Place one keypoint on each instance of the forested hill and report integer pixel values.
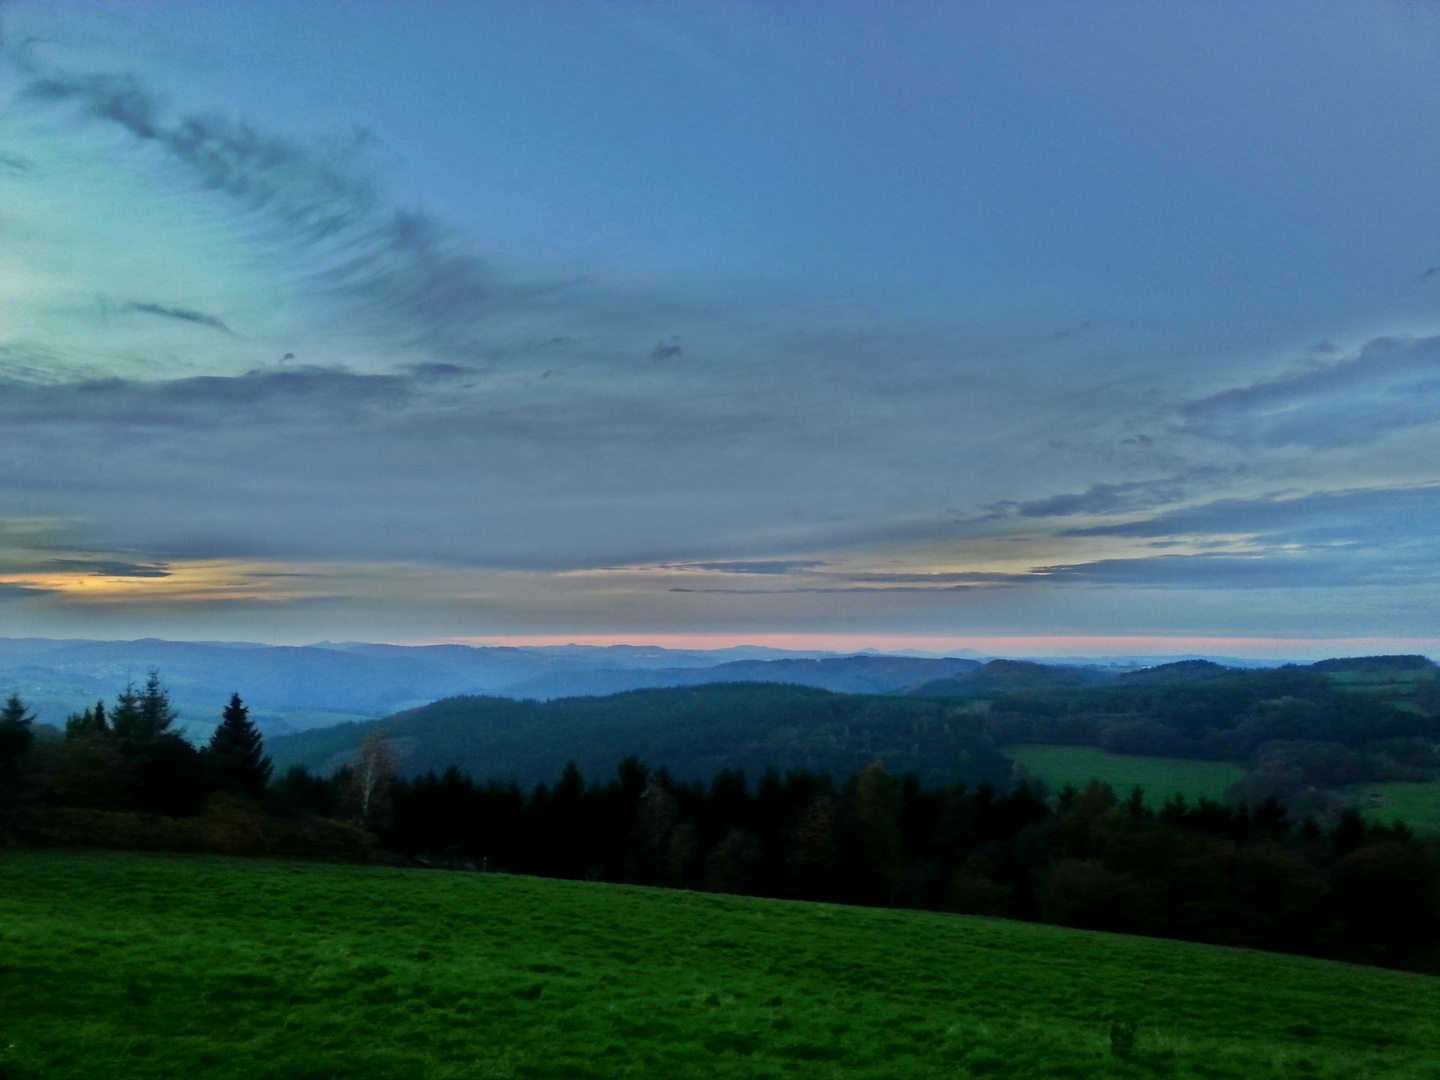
(1200, 709)
(1300, 730)
(694, 732)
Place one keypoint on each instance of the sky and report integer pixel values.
(1033, 327)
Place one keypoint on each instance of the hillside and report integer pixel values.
(1306, 734)
(693, 732)
(190, 966)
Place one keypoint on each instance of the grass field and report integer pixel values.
(1417, 805)
(1160, 777)
(120, 965)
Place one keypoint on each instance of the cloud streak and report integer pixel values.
(407, 277)
(1390, 385)
(199, 318)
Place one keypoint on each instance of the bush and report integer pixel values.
(227, 827)
(1085, 893)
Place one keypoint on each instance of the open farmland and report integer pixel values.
(1417, 805)
(123, 965)
(1160, 777)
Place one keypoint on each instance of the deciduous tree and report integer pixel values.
(366, 798)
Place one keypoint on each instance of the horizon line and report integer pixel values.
(995, 645)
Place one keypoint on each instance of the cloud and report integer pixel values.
(109, 568)
(180, 314)
(756, 566)
(775, 447)
(1104, 498)
(1391, 384)
(13, 591)
(1314, 569)
(833, 589)
(408, 277)
(1377, 516)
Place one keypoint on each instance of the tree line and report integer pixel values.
(1237, 875)
(129, 756)
(1205, 872)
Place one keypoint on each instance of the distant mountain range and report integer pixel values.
(295, 688)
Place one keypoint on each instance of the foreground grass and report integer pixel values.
(1417, 805)
(121, 965)
(1160, 777)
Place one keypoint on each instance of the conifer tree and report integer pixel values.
(156, 713)
(142, 717)
(15, 733)
(125, 714)
(90, 722)
(237, 751)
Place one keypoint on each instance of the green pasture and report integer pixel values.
(1417, 805)
(128, 965)
(1160, 777)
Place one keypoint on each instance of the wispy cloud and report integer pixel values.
(109, 568)
(1374, 516)
(199, 318)
(1390, 384)
(753, 566)
(409, 274)
(17, 591)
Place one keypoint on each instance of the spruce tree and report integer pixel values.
(125, 714)
(237, 752)
(143, 717)
(156, 714)
(88, 722)
(15, 734)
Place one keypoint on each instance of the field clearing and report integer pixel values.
(130, 965)
(1417, 805)
(1160, 777)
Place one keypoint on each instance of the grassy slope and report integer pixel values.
(118, 965)
(1160, 777)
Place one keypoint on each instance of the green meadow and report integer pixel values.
(1417, 805)
(1160, 777)
(143, 965)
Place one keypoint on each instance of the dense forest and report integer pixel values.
(1247, 874)
(693, 732)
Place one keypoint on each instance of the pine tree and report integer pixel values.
(15, 733)
(125, 715)
(142, 717)
(89, 722)
(156, 713)
(237, 752)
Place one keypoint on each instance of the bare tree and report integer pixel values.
(366, 797)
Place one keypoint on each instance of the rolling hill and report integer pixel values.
(694, 732)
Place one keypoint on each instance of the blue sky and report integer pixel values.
(865, 321)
